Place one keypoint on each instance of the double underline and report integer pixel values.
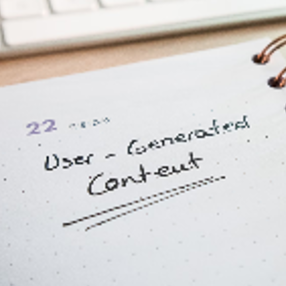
(141, 203)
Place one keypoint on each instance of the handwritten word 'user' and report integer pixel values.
(135, 148)
(53, 162)
(112, 184)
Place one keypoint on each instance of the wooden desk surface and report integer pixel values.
(45, 66)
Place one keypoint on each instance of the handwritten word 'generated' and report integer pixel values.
(136, 148)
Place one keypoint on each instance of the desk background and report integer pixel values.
(45, 66)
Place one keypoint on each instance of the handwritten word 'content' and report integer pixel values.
(136, 148)
(99, 185)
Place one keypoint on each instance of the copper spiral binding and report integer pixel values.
(268, 51)
(262, 58)
(279, 81)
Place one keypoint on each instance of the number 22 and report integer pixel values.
(36, 127)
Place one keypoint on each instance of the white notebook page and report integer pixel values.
(169, 172)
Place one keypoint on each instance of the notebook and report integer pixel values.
(168, 172)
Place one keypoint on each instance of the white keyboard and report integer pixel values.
(30, 26)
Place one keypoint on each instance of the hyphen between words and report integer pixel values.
(135, 148)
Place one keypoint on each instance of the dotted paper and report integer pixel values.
(149, 174)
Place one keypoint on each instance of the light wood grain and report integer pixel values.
(45, 66)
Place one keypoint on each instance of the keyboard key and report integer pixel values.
(87, 25)
(102, 23)
(20, 8)
(61, 6)
(115, 3)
